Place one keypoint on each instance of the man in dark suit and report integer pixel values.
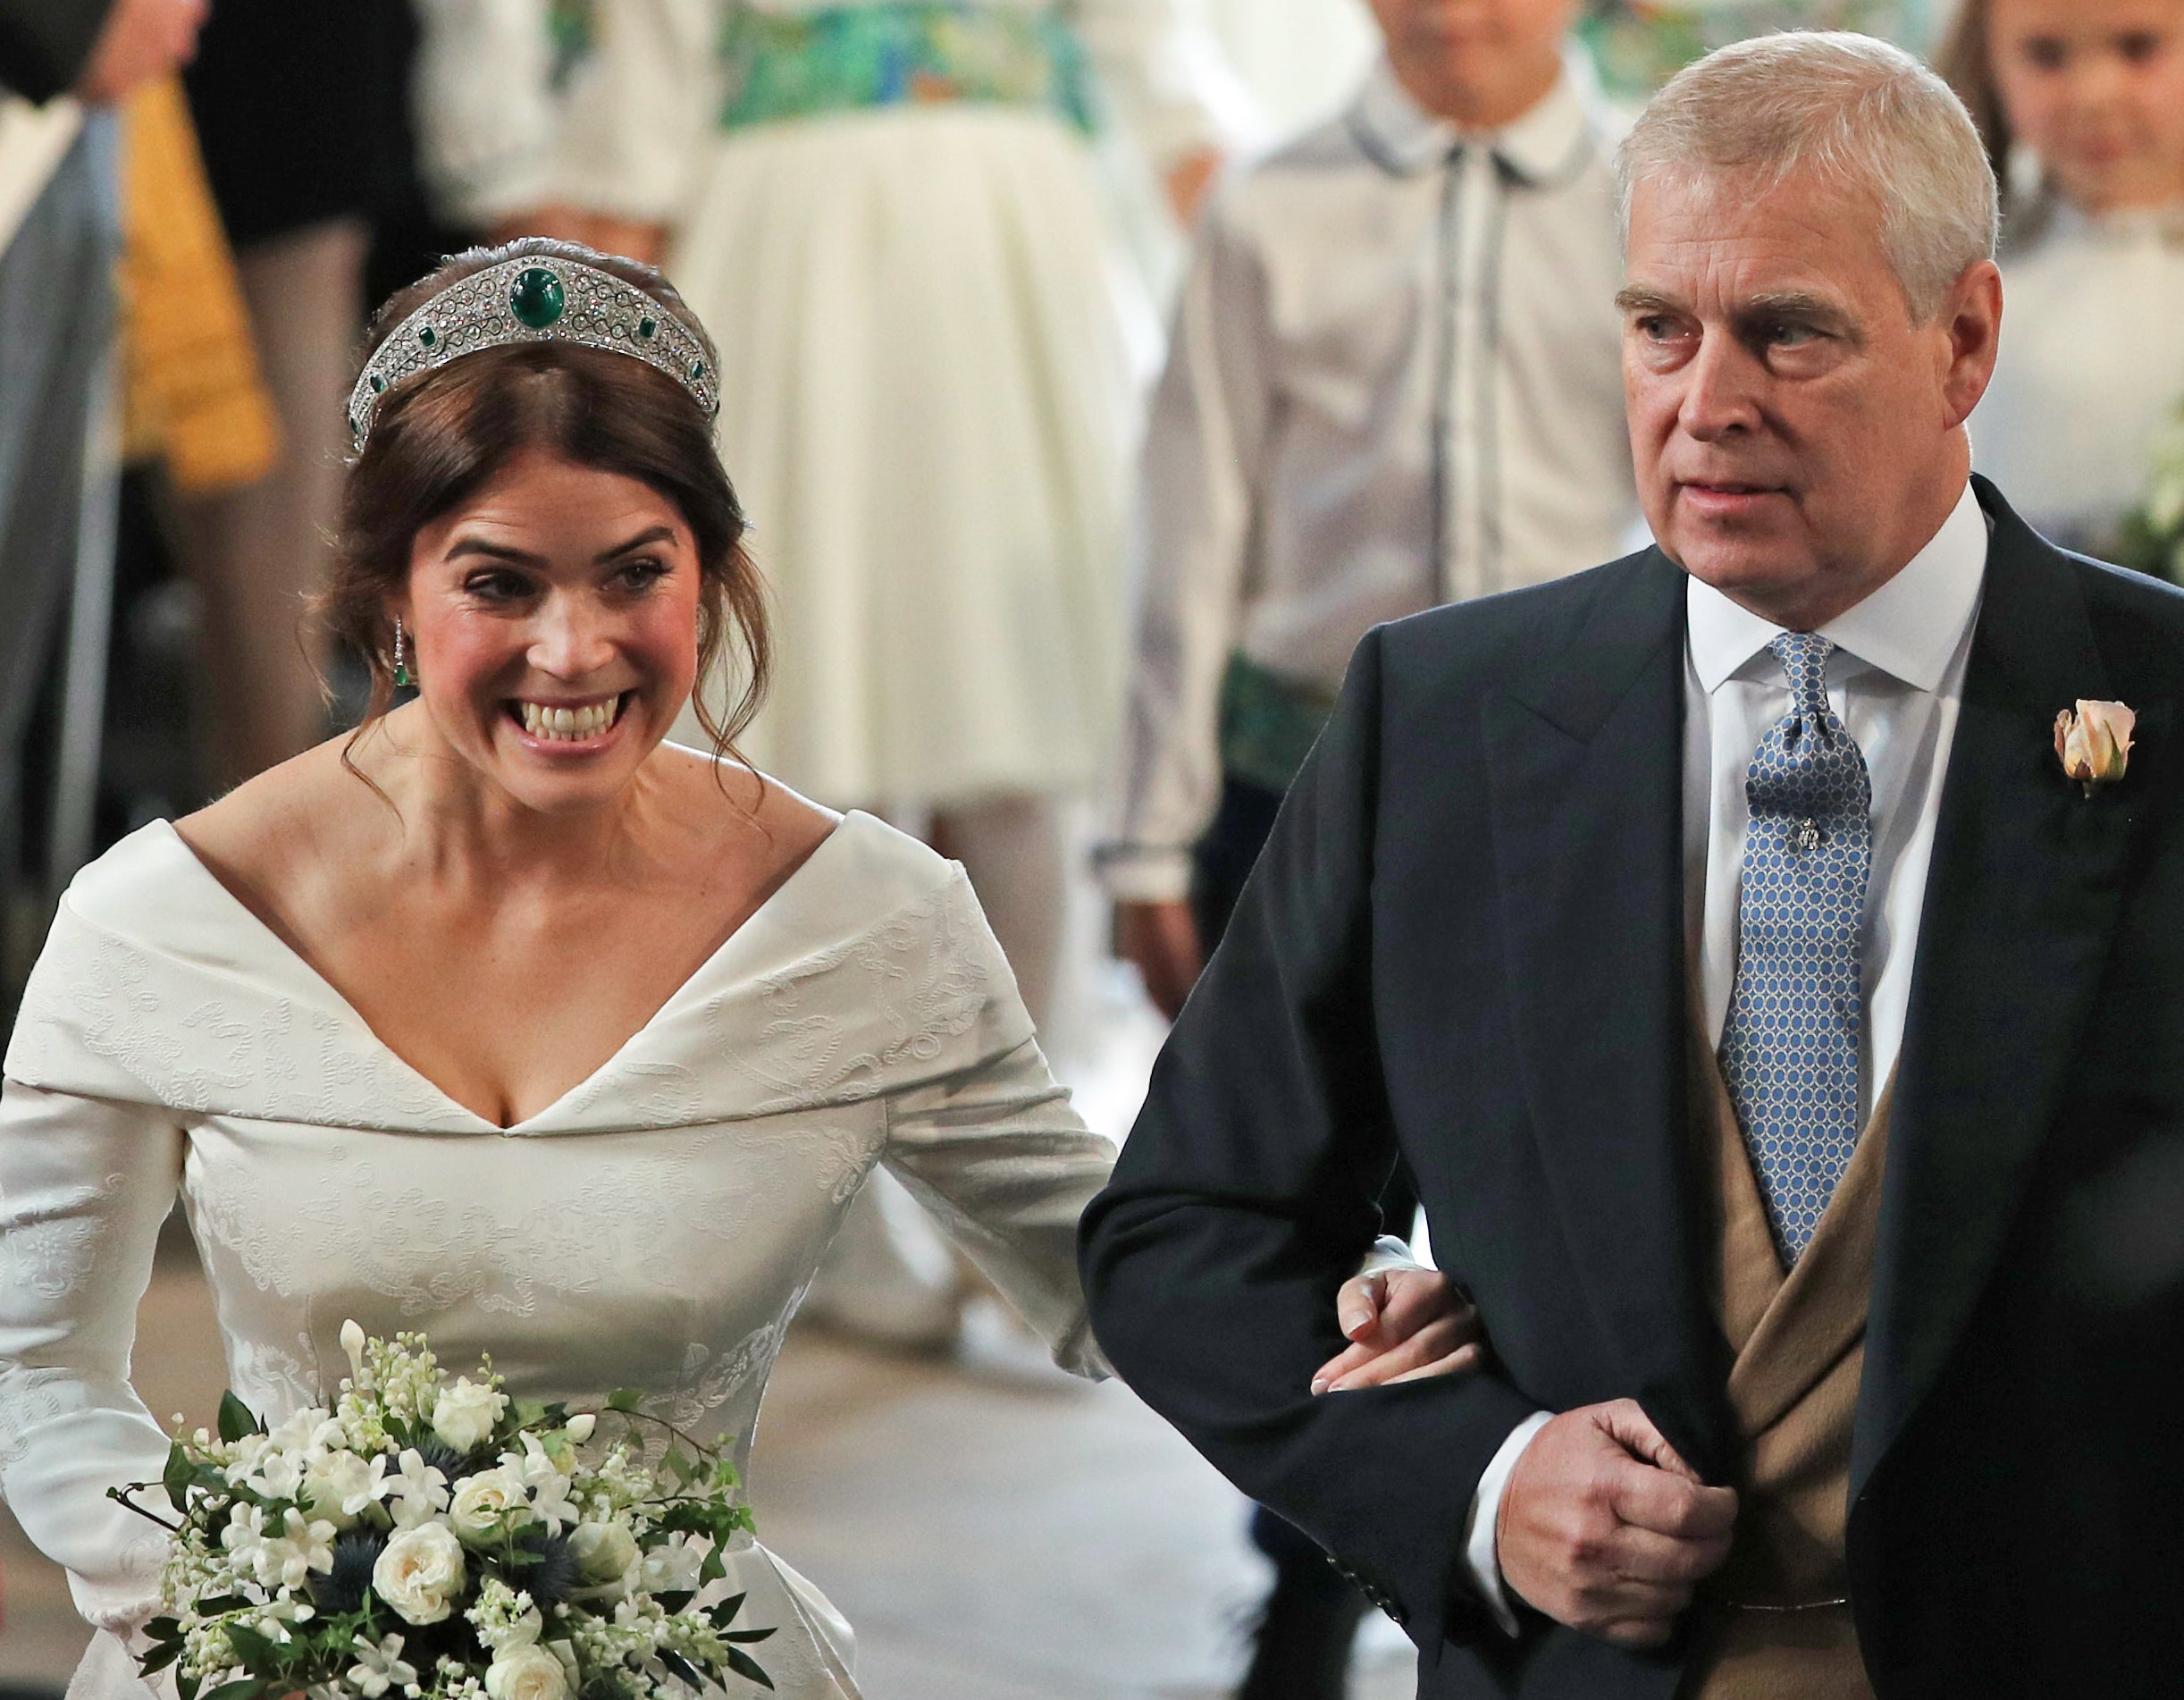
(1785, 1027)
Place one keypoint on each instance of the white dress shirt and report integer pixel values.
(1896, 680)
(1395, 382)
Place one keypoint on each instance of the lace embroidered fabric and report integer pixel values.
(656, 1227)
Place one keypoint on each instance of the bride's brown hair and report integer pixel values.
(441, 437)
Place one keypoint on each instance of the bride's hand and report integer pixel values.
(1403, 1325)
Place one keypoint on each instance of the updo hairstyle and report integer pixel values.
(444, 434)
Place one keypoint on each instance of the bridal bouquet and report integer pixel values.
(431, 1537)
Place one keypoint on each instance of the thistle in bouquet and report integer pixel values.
(427, 1537)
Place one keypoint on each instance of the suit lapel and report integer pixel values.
(2021, 900)
(1586, 765)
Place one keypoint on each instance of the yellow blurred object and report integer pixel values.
(194, 394)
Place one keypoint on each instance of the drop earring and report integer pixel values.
(402, 680)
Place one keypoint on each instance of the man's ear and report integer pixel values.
(1971, 316)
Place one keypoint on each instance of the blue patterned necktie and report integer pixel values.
(1790, 1049)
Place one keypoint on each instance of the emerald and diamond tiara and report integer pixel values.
(532, 300)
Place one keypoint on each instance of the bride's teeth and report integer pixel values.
(570, 725)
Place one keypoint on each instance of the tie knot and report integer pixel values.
(1804, 656)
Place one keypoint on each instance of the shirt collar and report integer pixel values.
(1545, 142)
(1909, 629)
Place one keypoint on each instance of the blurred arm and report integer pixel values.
(1210, 421)
(485, 108)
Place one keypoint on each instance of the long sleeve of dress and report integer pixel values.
(1003, 1163)
(1200, 469)
(84, 1185)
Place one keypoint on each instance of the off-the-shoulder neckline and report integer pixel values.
(853, 825)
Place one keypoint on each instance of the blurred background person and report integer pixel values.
(302, 112)
(891, 215)
(902, 219)
(1394, 381)
(2081, 102)
(60, 233)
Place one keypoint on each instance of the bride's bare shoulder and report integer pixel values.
(748, 809)
(271, 829)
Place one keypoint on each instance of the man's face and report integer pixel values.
(2096, 88)
(1795, 433)
(1480, 63)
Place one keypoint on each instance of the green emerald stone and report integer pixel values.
(697, 371)
(537, 299)
(428, 336)
(379, 384)
(648, 328)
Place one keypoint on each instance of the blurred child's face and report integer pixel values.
(1479, 62)
(2096, 88)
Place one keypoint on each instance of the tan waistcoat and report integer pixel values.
(1799, 1344)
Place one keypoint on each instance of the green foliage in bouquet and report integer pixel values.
(2153, 536)
(434, 1539)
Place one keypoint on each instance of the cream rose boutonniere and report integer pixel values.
(2095, 743)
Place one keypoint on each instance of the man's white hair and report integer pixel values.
(1858, 111)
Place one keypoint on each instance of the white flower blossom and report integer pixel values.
(420, 1573)
(417, 1492)
(340, 1485)
(380, 1667)
(527, 1674)
(548, 1487)
(352, 1346)
(673, 1567)
(302, 1545)
(464, 1413)
(504, 1618)
(487, 1504)
(603, 1551)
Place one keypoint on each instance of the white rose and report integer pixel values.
(580, 1426)
(603, 1551)
(488, 1502)
(464, 1415)
(420, 1573)
(528, 1673)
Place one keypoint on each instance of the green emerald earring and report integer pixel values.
(402, 680)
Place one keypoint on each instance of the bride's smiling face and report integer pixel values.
(553, 628)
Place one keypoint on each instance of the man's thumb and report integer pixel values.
(1627, 1424)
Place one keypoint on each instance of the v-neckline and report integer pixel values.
(325, 987)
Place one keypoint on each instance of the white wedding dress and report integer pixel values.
(655, 1227)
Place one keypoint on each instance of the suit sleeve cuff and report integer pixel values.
(1482, 1560)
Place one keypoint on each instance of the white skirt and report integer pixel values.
(926, 331)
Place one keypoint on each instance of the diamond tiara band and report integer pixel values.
(532, 300)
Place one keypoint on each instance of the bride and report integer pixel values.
(503, 1019)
